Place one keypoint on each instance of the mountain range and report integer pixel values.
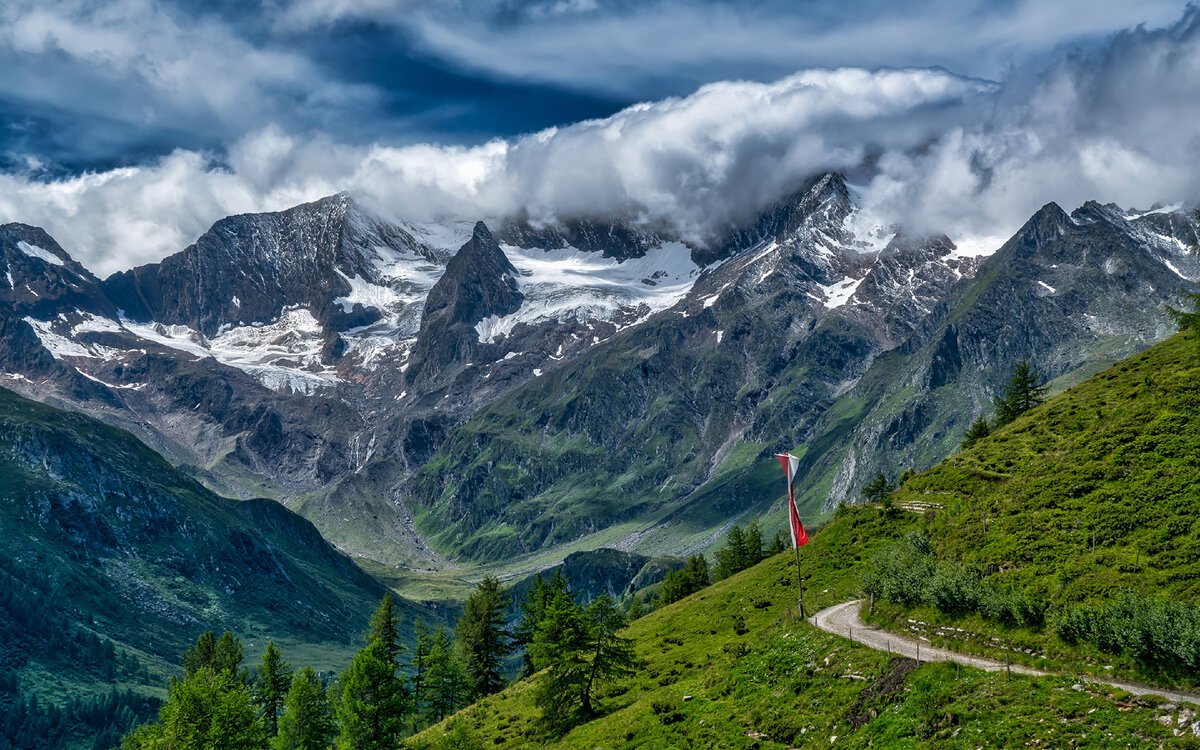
(502, 390)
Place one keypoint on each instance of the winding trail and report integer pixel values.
(843, 619)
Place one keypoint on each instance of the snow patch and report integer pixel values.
(59, 346)
(1046, 286)
(1132, 215)
(569, 284)
(720, 335)
(839, 293)
(34, 251)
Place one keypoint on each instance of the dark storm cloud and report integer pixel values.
(1113, 119)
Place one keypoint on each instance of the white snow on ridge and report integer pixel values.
(34, 251)
(839, 293)
(567, 283)
(285, 354)
(59, 346)
(1131, 215)
(1046, 286)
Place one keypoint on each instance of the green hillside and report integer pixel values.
(113, 561)
(729, 668)
(1008, 525)
(1115, 460)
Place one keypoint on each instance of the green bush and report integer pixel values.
(1156, 632)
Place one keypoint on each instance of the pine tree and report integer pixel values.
(371, 712)
(200, 654)
(384, 628)
(227, 657)
(307, 720)
(878, 489)
(1022, 393)
(731, 557)
(209, 709)
(447, 683)
(560, 645)
(223, 655)
(685, 581)
(978, 430)
(420, 667)
(532, 607)
(272, 680)
(481, 636)
(754, 546)
(612, 656)
(777, 544)
(635, 610)
(580, 649)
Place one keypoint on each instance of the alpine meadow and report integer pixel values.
(542, 374)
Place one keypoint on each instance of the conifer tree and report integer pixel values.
(420, 667)
(878, 489)
(532, 607)
(272, 680)
(481, 637)
(208, 709)
(754, 546)
(560, 644)
(307, 720)
(777, 544)
(384, 628)
(227, 657)
(447, 683)
(612, 656)
(580, 649)
(371, 712)
(200, 654)
(978, 430)
(219, 655)
(1024, 392)
(731, 557)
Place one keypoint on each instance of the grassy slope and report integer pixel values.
(1117, 456)
(785, 684)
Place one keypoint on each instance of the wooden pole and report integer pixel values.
(799, 582)
(1007, 668)
(872, 602)
(918, 654)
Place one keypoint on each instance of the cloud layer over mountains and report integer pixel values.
(929, 148)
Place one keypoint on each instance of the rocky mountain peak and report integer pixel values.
(479, 282)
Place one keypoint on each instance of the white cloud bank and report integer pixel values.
(934, 150)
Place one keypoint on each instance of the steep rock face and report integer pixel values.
(479, 282)
(249, 268)
(755, 352)
(1071, 293)
(557, 380)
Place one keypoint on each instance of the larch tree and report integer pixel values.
(307, 722)
(272, 680)
(481, 637)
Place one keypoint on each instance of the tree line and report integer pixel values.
(387, 693)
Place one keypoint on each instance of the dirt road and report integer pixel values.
(843, 619)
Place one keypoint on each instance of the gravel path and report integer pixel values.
(843, 619)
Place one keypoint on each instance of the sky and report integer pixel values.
(128, 126)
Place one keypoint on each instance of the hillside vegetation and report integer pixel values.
(1113, 462)
(731, 667)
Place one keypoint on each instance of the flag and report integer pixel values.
(790, 464)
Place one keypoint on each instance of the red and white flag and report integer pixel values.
(790, 464)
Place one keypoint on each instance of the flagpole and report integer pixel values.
(799, 582)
